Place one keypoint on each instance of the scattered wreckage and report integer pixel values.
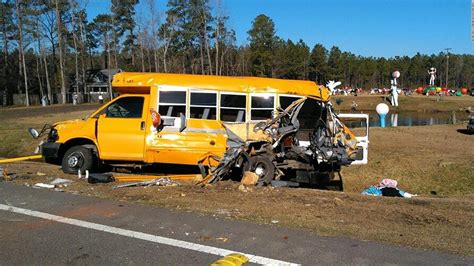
(280, 130)
(279, 155)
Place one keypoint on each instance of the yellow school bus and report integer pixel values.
(196, 113)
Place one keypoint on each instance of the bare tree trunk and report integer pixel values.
(83, 52)
(148, 57)
(48, 86)
(76, 62)
(39, 77)
(22, 53)
(165, 52)
(5, 67)
(38, 66)
(61, 62)
(201, 50)
(109, 78)
(114, 38)
(142, 55)
(155, 59)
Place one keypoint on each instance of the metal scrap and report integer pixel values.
(155, 182)
(276, 146)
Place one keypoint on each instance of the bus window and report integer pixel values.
(233, 107)
(172, 103)
(261, 107)
(203, 105)
(128, 107)
(286, 100)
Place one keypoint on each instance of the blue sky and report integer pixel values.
(364, 27)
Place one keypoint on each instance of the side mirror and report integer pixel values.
(182, 119)
(33, 132)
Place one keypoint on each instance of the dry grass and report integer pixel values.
(412, 103)
(422, 159)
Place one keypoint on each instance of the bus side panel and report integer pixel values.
(198, 139)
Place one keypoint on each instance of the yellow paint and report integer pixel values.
(10, 160)
(234, 259)
(140, 83)
(135, 139)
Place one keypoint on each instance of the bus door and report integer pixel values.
(121, 129)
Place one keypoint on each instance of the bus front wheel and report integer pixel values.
(77, 158)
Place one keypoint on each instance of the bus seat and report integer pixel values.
(170, 111)
(205, 114)
(240, 116)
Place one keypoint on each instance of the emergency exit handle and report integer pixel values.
(142, 125)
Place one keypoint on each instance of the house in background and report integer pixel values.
(97, 83)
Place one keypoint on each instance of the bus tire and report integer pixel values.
(77, 158)
(263, 168)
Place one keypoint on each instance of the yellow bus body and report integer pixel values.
(136, 140)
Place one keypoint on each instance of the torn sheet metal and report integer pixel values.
(277, 147)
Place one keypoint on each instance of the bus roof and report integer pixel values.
(133, 82)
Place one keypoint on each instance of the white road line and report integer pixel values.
(142, 236)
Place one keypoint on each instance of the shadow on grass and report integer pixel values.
(464, 131)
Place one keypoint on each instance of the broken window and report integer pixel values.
(172, 103)
(233, 107)
(203, 105)
(286, 100)
(262, 106)
(128, 107)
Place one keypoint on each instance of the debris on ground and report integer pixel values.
(155, 182)
(60, 182)
(43, 185)
(249, 179)
(388, 188)
(244, 188)
(140, 178)
(79, 174)
(40, 174)
(3, 174)
(94, 178)
(271, 150)
(280, 183)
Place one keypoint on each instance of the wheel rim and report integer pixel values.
(75, 160)
(260, 170)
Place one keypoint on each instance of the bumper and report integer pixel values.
(50, 149)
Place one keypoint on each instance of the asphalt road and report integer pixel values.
(34, 230)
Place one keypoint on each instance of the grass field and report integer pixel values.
(415, 103)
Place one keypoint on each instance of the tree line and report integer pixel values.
(51, 46)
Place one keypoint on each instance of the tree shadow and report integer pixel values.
(464, 131)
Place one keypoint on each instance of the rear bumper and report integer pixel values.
(50, 150)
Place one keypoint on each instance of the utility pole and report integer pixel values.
(447, 64)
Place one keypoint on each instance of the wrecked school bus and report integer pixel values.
(278, 129)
